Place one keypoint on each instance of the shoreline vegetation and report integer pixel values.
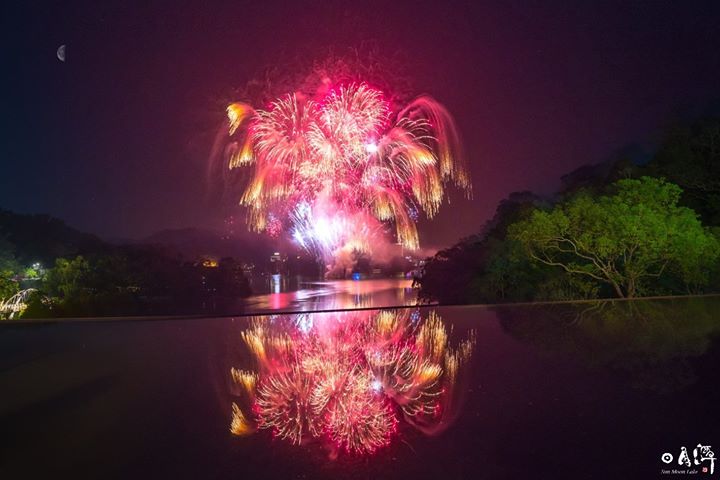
(621, 229)
(66, 273)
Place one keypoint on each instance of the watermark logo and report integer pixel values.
(702, 461)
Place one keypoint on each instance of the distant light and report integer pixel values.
(275, 283)
(277, 253)
(376, 385)
(371, 147)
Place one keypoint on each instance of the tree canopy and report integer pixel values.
(9, 268)
(639, 231)
(690, 157)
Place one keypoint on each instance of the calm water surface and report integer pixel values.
(309, 296)
(566, 391)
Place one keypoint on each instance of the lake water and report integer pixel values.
(591, 390)
(314, 295)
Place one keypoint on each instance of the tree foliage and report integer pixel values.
(643, 233)
(137, 281)
(690, 157)
(486, 267)
(68, 278)
(9, 269)
(623, 239)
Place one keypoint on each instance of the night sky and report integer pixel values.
(115, 141)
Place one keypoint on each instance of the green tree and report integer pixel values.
(9, 269)
(68, 278)
(484, 268)
(624, 239)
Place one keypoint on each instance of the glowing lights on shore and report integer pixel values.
(16, 304)
(331, 169)
(348, 379)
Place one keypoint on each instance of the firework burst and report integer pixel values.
(348, 378)
(331, 170)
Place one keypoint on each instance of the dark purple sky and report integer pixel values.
(115, 140)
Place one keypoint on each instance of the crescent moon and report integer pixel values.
(61, 53)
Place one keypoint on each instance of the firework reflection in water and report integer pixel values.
(348, 378)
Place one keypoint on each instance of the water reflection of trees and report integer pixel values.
(653, 342)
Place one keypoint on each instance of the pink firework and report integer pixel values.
(348, 378)
(334, 168)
